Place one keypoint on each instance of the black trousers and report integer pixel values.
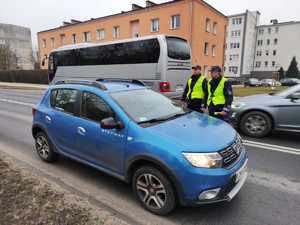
(214, 109)
(195, 105)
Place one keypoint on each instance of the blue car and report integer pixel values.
(169, 155)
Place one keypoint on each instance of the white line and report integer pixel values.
(16, 102)
(273, 148)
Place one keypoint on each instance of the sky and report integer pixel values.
(42, 15)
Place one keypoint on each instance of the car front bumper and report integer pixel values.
(229, 182)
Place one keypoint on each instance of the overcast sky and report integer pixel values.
(41, 14)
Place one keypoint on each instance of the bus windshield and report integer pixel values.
(178, 48)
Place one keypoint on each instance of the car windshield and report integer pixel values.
(148, 106)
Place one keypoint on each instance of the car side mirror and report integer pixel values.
(110, 123)
(295, 96)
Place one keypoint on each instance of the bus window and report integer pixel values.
(51, 67)
(178, 48)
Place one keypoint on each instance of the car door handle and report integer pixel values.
(48, 119)
(81, 130)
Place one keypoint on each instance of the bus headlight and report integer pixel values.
(204, 160)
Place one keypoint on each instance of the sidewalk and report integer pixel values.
(23, 86)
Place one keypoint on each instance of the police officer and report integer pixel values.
(195, 90)
(219, 95)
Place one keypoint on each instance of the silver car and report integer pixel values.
(258, 115)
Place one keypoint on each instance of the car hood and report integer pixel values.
(196, 132)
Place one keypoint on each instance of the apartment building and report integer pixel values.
(195, 20)
(276, 45)
(240, 43)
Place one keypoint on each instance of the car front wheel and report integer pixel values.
(256, 124)
(154, 190)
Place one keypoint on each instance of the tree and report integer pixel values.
(293, 71)
(281, 73)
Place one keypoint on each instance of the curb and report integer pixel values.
(22, 86)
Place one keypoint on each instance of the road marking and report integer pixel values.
(271, 147)
(17, 102)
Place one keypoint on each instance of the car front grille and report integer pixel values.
(232, 153)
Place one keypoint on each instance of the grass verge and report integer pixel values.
(245, 91)
(24, 199)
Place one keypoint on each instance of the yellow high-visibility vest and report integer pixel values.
(218, 97)
(197, 92)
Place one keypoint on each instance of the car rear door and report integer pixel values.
(102, 147)
(60, 119)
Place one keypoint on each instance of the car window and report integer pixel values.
(94, 108)
(66, 100)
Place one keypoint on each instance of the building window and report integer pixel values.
(233, 69)
(154, 25)
(62, 39)
(213, 50)
(44, 43)
(52, 42)
(215, 27)
(268, 41)
(74, 38)
(207, 25)
(100, 33)
(258, 64)
(269, 30)
(116, 32)
(237, 21)
(260, 42)
(235, 45)
(87, 37)
(275, 41)
(261, 31)
(267, 52)
(206, 47)
(276, 30)
(273, 63)
(236, 33)
(258, 53)
(175, 21)
(274, 52)
(234, 57)
(266, 63)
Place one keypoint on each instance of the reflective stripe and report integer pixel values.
(218, 97)
(197, 92)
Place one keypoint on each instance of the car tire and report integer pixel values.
(154, 190)
(45, 148)
(256, 124)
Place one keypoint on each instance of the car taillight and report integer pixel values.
(33, 111)
(164, 87)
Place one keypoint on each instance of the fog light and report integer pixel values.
(209, 194)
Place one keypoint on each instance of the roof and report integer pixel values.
(106, 86)
(280, 24)
(137, 9)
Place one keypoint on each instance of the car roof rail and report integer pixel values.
(133, 81)
(83, 82)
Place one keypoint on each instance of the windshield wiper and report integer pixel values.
(162, 119)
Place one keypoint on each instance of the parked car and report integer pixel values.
(258, 115)
(234, 81)
(252, 82)
(169, 154)
(289, 81)
(270, 83)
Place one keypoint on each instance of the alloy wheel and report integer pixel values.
(151, 191)
(256, 124)
(42, 147)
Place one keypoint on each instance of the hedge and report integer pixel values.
(24, 76)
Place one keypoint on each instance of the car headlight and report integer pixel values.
(237, 105)
(204, 160)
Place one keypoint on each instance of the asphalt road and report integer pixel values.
(271, 194)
